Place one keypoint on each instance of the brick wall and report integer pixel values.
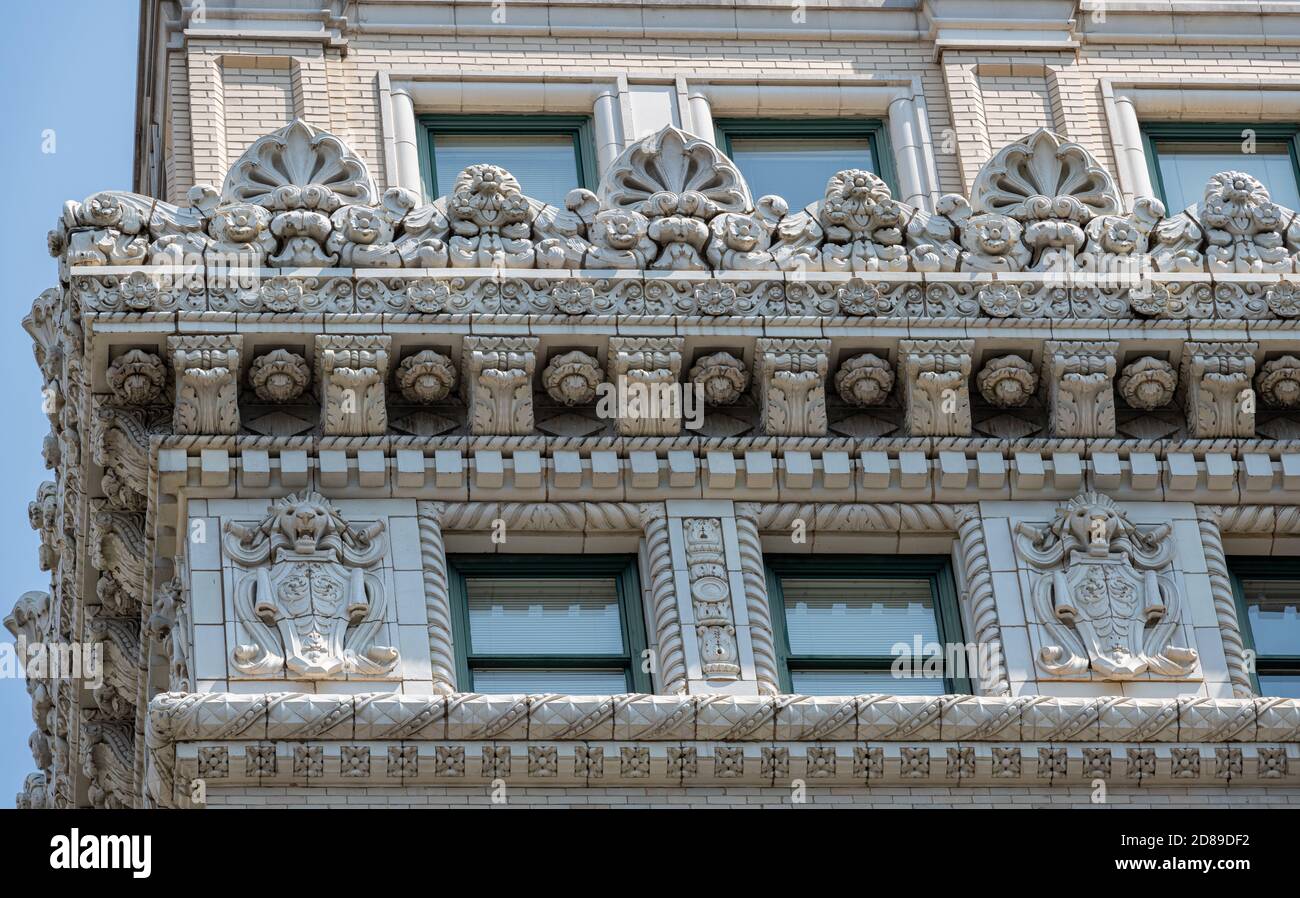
(982, 100)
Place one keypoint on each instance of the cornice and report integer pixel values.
(637, 740)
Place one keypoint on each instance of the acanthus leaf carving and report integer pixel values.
(498, 384)
(936, 386)
(207, 389)
(791, 378)
(1216, 378)
(1080, 391)
(351, 372)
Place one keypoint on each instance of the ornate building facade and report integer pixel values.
(384, 470)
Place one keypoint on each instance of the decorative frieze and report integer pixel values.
(1080, 388)
(646, 372)
(207, 389)
(936, 386)
(1217, 380)
(791, 377)
(351, 373)
(498, 384)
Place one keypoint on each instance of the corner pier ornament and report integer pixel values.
(316, 610)
(1106, 599)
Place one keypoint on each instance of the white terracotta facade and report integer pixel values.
(381, 378)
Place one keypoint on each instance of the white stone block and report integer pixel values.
(913, 470)
(798, 469)
(875, 470)
(604, 469)
(645, 468)
(1220, 471)
(568, 468)
(721, 470)
(333, 468)
(1256, 471)
(992, 468)
(372, 467)
(837, 470)
(681, 468)
(448, 468)
(410, 467)
(528, 468)
(214, 467)
(255, 467)
(294, 469)
(1029, 471)
(760, 470)
(489, 469)
(1183, 474)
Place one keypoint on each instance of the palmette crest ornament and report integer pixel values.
(1107, 601)
(315, 611)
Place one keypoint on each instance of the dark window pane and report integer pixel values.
(1186, 167)
(544, 616)
(1273, 607)
(855, 617)
(797, 169)
(545, 164)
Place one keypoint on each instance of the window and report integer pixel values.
(549, 154)
(1268, 611)
(795, 158)
(1182, 157)
(548, 623)
(841, 623)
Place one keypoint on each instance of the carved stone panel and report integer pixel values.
(715, 626)
(1105, 594)
(309, 602)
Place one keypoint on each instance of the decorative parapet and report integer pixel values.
(1042, 235)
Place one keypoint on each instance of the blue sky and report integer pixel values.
(69, 66)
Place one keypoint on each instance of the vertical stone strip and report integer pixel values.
(671, 666)
(977, 596)
(1225, 604)
(756, 600)
(437, 597)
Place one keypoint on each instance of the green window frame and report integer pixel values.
(726, 130)
(623, 568)
(1212, 132)
(1261, 568)
(577, 127)
(943, 590)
